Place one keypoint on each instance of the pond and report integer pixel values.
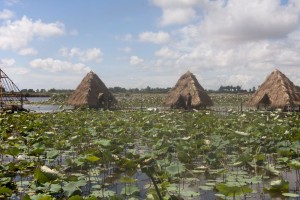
(124, 154)
(36, 107)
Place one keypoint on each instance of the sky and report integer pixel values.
(48, 44)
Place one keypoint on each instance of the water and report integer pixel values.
(36, 107)
(37, 99)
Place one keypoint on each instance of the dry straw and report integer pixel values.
(187, 83)
(277, 92)
(88, 92)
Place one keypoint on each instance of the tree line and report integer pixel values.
(234, 89)
(148, 89)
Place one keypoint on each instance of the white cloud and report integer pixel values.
(175, 3)
(241, 80)
(157, 38)
(126, 49)
(166, 52)
(93, 54)
(177, 11)
(9, 67)
(135, 60)
(6, 14)
(52, 65)
(250, 20)
(7, 62)
(238, 39)
(18, 34)
(177, 16)
(28, 51)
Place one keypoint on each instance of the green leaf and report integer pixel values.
(272, 171)
(44, 197)
(14, 151)
(91, 198)
(175, 168)
(104, 143)
(92, 158)
(127, 179)
(26, 197)
(103, 194)
(129, 190)
(187, 193)
(5, 191)
(290, 195)
(55, 188)
(76, 197)
(52, 154)
(279, 185)
(233, 188)
(40, 176)
(295, 164)
(205, 187)
(70, 187)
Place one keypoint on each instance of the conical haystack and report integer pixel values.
(277, 92)
(177, 96)
(92, 92)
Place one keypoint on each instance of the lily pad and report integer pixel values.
(175, 168)
(291, 195)
(129, 190)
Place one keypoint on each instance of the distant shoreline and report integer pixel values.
(37, 95)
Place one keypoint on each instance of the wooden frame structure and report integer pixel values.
(10, 96)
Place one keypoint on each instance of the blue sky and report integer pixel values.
(137, 43)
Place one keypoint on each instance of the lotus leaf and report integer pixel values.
(187, 193)
(127, 179)
(233, 188)
(5, 191)
(279, 185)
(103, 193)
(295, 164)
(175, 168)
(291, 195)
(52, 154)
(44, 174)
(92, 158)
(76, 197)
(71, 187)
(129, 190)
(103, 142)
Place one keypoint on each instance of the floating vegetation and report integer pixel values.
(90, 154)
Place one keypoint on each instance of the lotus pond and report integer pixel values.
(95, 154)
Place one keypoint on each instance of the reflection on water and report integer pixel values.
(43, 107)
(37, 99)
(46, 108)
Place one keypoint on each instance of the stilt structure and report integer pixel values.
(10, 96)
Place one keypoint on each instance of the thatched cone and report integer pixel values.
(92, 92)
(177, 96)
(277, 92)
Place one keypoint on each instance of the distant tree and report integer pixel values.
(231, 89)
(52, 90)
